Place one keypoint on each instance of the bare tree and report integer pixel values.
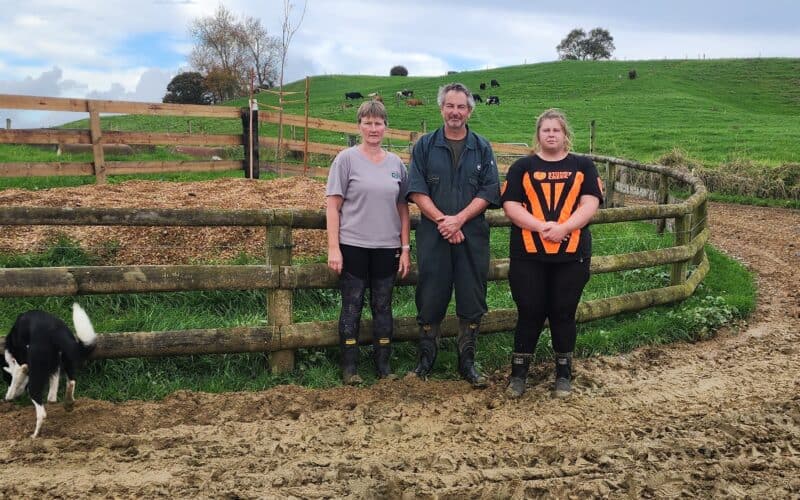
(217, 44)
(287, 33)
(226, 44)
(262, 50)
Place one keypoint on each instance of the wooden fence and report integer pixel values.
(97, 137)
(279, 278)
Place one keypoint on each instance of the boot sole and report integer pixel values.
(353, 380)
(561, 394)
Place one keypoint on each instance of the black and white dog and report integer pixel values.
(37, 348)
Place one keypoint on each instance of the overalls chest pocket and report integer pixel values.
(474, 180)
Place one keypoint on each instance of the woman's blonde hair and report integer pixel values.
(372, 108)
(553, 114)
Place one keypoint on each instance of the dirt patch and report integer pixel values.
(174, 245)
(719, 418)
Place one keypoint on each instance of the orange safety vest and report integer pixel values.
(553, 197)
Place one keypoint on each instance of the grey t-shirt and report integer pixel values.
(371, 193)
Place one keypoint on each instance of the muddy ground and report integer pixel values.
(718, 418)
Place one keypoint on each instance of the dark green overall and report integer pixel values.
(443, 266)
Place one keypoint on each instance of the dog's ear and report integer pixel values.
(9, 370)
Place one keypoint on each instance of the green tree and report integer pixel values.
(577, 45)
(187, 88)
(598, 45)
(571, 47)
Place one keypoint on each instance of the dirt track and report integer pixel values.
(719, 418)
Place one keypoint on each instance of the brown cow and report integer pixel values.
(414, 102)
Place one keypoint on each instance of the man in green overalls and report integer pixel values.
(453, 180)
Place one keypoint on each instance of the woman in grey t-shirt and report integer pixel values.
(368, 237)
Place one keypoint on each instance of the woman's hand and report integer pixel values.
(405, 263)
(335, 259)
(555, 232)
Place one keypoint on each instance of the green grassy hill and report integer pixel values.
(715, 110)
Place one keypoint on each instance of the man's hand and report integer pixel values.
(456, 238)
(449, 225)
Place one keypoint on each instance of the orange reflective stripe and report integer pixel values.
(527, 236)
(503, 188)
(566, 212)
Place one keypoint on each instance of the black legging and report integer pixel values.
(376, 267)
(544, 290)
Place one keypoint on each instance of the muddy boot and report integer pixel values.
(519, 374)
(382, 354)
(467, 337)
(428, 348)
(349, 362)
(563, 386)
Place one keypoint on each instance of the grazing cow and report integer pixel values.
(353, 95)
(632, 74)
(414, 102)
(494, 83)
(477, 97)
(372, 94)
(492, 99)
(407, 93)
(377, 97)
(483, 85)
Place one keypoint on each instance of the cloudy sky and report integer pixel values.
(131, 49)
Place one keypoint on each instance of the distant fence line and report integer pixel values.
(279, 278)
(97, 137)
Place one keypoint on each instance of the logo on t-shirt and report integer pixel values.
(540, 176)
(395, 175)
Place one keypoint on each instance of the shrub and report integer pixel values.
(186, 88)
(632, 74)
(398, 71)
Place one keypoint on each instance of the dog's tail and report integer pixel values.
(83, 326)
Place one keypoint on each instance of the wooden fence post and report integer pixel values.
(663, 199)
(591, 137)
(245, 116)
(678, 274)
(699, 222)
(255, 171)
(623, 179)
(97, 145)
(279, 301)
(8, 123)
(305, 130)
(611, 181)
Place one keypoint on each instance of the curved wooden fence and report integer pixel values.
(279, 277)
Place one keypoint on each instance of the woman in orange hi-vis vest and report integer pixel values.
(549, 196)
